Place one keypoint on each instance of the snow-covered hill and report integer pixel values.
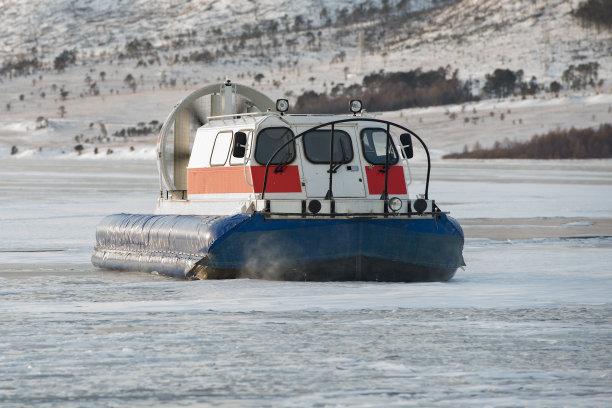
(106, 25)
(135, 58)
(539, 36)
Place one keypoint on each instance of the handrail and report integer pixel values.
(246, 159)
(385, 194)
(356, 119)
(330, 194)
(234, 115)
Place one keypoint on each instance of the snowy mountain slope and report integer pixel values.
(539, 36)
(110, 23)
(172, 46)
(542, 37)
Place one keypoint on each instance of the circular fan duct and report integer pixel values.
(177, 133)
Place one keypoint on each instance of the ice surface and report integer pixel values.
(528, 323)
(91, 339)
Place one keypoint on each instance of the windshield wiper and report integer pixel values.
(280, 167)
(335, 168)
(384, 167)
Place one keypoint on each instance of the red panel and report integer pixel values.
(396, 183)
(286, 182)
(217, 180)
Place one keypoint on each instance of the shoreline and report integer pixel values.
(505, 229)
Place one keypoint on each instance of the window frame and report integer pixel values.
(305, 144)
(392, 143)
(290, 145)
(229, 148)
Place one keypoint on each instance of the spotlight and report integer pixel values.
(314, 206)
(282, 105)
(420, 205)
(355, 106)
(395, 204)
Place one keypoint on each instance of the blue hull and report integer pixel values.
(250, 245)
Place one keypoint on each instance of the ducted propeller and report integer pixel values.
(191, 113)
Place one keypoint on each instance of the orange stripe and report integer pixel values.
(217, 180)
(396, 183)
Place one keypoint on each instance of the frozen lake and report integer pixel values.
(528, 323)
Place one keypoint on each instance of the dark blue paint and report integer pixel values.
(173, 244)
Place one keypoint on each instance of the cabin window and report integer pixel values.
(221, 148)
(374, 143)
(316, 146)
(269, 140)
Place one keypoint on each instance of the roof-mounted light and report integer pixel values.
(355, 106)
(282, 105)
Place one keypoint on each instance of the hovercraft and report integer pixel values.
(250, 191)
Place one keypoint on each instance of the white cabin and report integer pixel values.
(226, 168)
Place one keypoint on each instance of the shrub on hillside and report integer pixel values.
(583, 75)
(501, 83)
(559, 144)
(21, 66)
(390, 91)
(598, 12)
(138, 47)
(66, 58)
(201, 56)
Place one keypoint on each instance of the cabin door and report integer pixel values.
(347, 171)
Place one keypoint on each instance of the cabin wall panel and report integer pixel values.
(396, 183)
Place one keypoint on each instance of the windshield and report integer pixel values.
(269, 140)
(316, 146)
(374, 142)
